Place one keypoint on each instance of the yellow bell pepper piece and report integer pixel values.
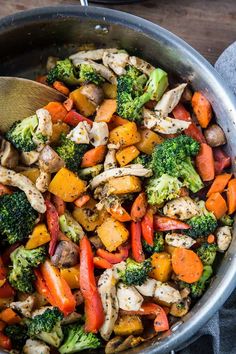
(39, 237)
(71, 276)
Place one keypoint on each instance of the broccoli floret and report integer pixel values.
(64, 71)
(70, 227)
(207, 253)
(88, 74)
(199, 287)
(136, 273)
(21, 134)
(132, 95)
(158, 244)
(226, 220)
(71, 152)
(17, 217)
(162, 188)
(21, 275)
(173, 157)
(143, 159)
(47, 327)
(18, 335)
(203, 224)
(77, 340)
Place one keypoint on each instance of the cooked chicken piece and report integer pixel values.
(71, 318)
(135, 170)
(99, 68)
(44, 128)
(66, 255)
(33, 346)
(43, 181)
(179, 240)
(118, 269)
(116, 61)
(164, 125)
(129, 298)
(28, 158)
(80, 134)
(110, 160)
(183, 208)
(99, 134)
(9, 156)
(166, 293)
(224, 237)
(93, 92)
(169, 100)
(40, 311)
(24, 307)
(33, 195)
(148, 288)
(95, 54)
(107, 290)
(141, 65)
(49, 160)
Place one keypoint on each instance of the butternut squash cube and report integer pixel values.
(162, 267)
(126, 155)
(106, 111)
(125, 135)
(112, 234)
(123, 185)
(82, 103)
(57, 129)
(71, 276)
(127, 325)
(39, 237)
(148, 141)
(31, 173)
(66, 185)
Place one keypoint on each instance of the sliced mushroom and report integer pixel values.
(49, 160)
(224, 237)
(180, 308)
(164, 125)
(179, 240)
(215, 135)
(9, 156)
(107, 290)
(131, 170)
(43, 181)
(95, 54)
(28, 158)
(169, 100)
(141, 65)
(116, 61)
(183, 208)
(78, 297)
(93, 92)
(33, 195)
(66, 255)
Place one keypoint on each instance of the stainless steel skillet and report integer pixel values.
(26, 39)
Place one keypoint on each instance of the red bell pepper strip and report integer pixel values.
(101, 263)
(6, 291)
(139, 207)
(58, 287)
(179, 112)
(222, 160)
(5, 342)
(4, 189)
(73, 118)
(117, 257)
(59, 204)
(42, 287)
(6, 254)
(164, 223)
(53, 226)
(161, 321)
(147, 227)
(3, 273)
(93, 305)
(136, 244)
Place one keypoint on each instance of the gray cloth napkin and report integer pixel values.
(218, 336)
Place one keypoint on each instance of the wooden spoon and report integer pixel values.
(20, 98)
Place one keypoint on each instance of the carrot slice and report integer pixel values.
(56, 110)
(216, 204)
(219, 183)
(79, 202)
(59, 86)
(231, 196)
(211, 239)
(205, 163)
(106, 111)
(94, 156)
(9, 316)
(187, 265)
(202, 109)
(139, 207)
(119, 213)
